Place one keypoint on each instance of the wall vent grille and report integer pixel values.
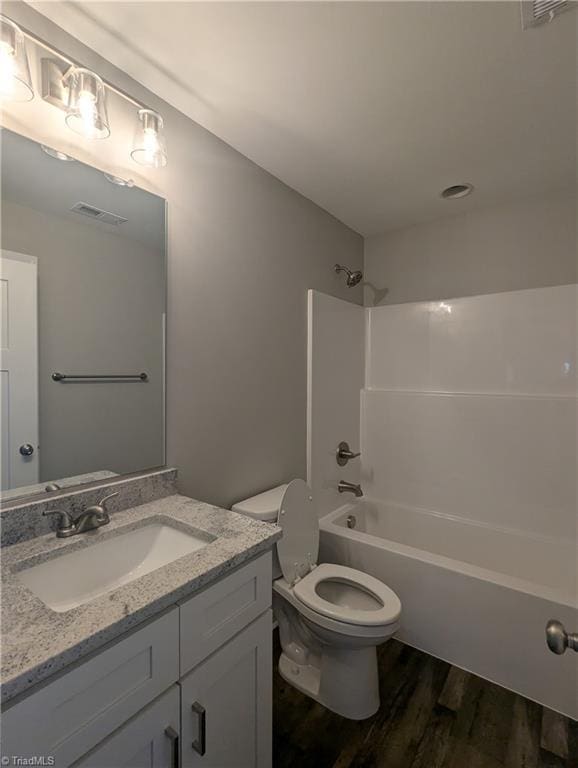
(535, 12)
(97, 213)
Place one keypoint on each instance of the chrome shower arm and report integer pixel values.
(353, 277)
(339, 268)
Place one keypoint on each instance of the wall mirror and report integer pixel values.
(82, 313)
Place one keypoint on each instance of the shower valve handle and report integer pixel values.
(345, 454)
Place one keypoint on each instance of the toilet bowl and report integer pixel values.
(331, 618)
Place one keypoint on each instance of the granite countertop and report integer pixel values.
(37, 641)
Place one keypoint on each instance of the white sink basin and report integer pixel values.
(69, 580)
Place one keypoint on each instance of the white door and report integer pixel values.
(18, 369)
(149, 740)
(227, 702)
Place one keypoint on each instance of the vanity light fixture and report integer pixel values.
(118, 180)
(15, 80)
(78, 91)
(57, 154)
(86, 112)
(149, 146)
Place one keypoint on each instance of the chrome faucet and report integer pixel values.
(345, 487)
(92, 517)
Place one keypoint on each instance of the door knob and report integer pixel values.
(26, 449)
(558, 639)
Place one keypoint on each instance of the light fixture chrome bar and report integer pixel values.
(73, 63)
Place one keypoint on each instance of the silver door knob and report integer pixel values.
(26, 449)
(558, 639)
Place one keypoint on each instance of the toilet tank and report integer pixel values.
(264, 506)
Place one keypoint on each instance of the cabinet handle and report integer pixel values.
(173, 736)
(200, 744)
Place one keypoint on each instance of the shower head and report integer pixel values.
(353, 278)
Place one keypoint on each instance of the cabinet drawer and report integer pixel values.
(71, 715)
(212, 617)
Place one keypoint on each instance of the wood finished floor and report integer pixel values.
(432, 715)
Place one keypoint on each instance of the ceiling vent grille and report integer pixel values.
(97, 213)
(535, 12)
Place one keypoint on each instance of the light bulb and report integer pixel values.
(86, 111)
(86, 104)
(149, 143)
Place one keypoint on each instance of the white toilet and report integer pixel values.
(331, 618)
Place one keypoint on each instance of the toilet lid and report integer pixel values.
(348, 595)
(299, 546)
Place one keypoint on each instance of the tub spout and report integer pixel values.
(345, 487)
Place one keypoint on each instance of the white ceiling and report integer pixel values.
(32, 178)
(368, 109)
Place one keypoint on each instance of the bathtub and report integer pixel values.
(474, 595)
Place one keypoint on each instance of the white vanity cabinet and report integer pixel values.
(127, 703)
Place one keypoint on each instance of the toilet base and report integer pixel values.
(346, 682)
(304, 677)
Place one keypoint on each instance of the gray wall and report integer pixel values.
(529, 244)
(101, 299)
(243, 249)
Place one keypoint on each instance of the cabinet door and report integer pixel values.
(227, 703)
(149, 740)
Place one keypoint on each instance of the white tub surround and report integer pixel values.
(470, 408)
(507, 461)
(334, 379)
(468, 455)
(513, 343)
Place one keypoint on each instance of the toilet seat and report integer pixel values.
(341, 628)
(299, 546)
(387, 610)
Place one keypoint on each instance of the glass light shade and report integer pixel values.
(119, 181)
(149, 146)
(15, 80)
(57, 154)
(86, 111)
